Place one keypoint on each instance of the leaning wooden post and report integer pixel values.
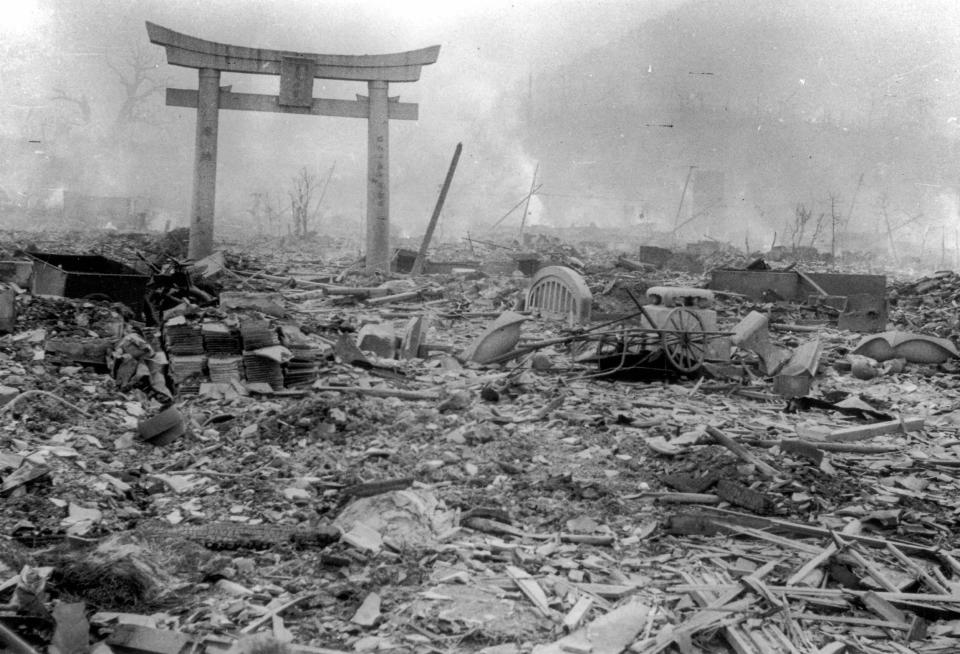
(378, 180)
(526, 205)
(205, 164)
(422, 255)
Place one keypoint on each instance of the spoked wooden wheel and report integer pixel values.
(683, 340)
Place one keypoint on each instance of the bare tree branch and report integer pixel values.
(83, 104)
(137, 77)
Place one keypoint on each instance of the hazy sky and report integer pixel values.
(488, 48)
(485, 48)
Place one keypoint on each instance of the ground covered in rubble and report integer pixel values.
(533, 505)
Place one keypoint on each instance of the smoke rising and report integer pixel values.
(846, 110)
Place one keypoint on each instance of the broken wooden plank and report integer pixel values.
(885, 609)
(787, 543)
(801, 529)
(866, 564)
(608, 634)
(801, 446)
(381, 392)
(708, 614)
(917, 630)
(606, 591)
(761, 589)
(579, 611)
(691, 525)
(140, 639)
(529, 586)
(740, 495)
(398, 297)
(684, 498)
(863, 432)
(704, 620)
(742, 453)
(823, 556)
(810, 592)
(737, 637)
(851, 620)
(932, 583)
(13, 643)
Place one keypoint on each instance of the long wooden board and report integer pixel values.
(359, 108)
(191, 52)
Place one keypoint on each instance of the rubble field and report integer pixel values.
(278, 452)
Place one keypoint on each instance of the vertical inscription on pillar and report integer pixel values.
(296, 81)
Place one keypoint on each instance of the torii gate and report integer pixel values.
(297, 71)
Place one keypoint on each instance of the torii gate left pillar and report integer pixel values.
(297, 72)
(205, 164)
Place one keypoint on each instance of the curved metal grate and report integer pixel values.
(560, 292)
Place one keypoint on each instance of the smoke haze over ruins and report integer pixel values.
(757, 107)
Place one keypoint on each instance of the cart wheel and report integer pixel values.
(683, 339)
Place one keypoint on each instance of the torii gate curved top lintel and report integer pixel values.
(297, 70)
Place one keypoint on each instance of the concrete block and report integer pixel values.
(378, 338)
(7, 393)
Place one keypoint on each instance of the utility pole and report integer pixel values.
(686, 183)
(853, 201)
(526, 206)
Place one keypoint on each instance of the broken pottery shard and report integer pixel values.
(751, 334)
(347, 351)
(163, 428)
(22, 476)
(500, 337)
(915, 348)
(805, 359)
(7, 393)
(369, 612)
(72, 633)
(412, 339)
(796, 376)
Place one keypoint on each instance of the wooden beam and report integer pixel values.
(863, 432)
(803, 529)
(189, 51)
(167, 37)
(422, 254)
(189, 59)
(271, 103)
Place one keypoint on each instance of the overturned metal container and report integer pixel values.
(88, 277)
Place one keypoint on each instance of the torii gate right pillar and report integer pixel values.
(205, 165)
(378, 179)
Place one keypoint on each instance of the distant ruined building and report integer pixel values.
(124, 213)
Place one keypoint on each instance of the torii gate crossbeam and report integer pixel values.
(297, 70)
